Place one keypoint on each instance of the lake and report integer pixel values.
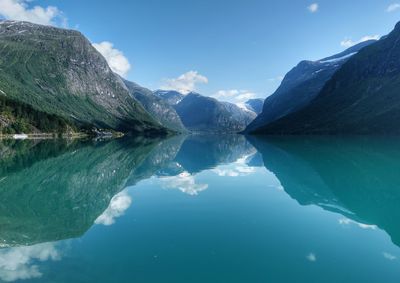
(201, 209)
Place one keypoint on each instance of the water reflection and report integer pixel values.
(242, 167)
(21, 263)
(55, 190)
(60, 191)
(185, 182)
(178, 160)
(202, 152)
(52, 191)
(117, 207)
(356, 177)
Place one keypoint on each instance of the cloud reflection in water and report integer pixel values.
(118, 205)
(20, 263)
(185, 182)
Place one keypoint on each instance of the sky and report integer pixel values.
(232, 50)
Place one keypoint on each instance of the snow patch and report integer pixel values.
(338, 59)
(319, 71)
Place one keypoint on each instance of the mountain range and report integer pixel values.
(206, 114)
(53, 80)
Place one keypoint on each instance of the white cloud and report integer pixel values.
(238, 97)
(115, 58)
(313, 8)
(118, 205)
(184, 182)
(311, 257)
(389, 256)
(349, 43)
(393, 7)
(20, 263)
(20, 10)
(185, 83)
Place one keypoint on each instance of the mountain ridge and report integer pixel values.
(301, 85)
(361, 98)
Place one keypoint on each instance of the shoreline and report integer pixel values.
(43, 136)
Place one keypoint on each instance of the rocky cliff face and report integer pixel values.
(158, 108)
(59, 72)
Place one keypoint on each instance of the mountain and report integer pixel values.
(255, 105)
(301, 85)
(170, 96)
(158, 108)
(205, 114)
(59, 72)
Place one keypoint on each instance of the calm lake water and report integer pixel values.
(201, 209)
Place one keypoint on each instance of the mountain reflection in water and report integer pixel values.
(53, 191)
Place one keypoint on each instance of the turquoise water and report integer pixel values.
(201, 209)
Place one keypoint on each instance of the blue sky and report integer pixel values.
(229, 49)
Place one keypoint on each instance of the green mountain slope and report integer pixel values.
(58, 71)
